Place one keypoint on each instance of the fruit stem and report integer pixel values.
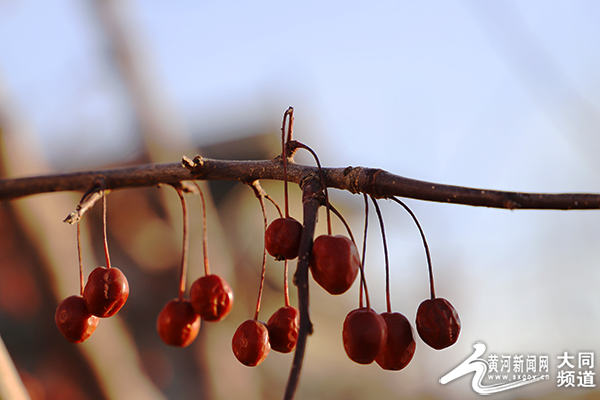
(289, 112)
(81, 278)
(339, 215)
(104, 224)
(266, 196)
(184, 253)
(285, 283)
(204, 231)
(323, 182)
(414, 217)
(258, 195)
(363, 279)
(388, 297)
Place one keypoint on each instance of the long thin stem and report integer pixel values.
(81, 277)
(204, 231)
(104, 235)
(266, 196)
(343, 220)
(258, 195)
(363, 279)
(430, 268)
(285, 284)
(388, 297)
(186, 245)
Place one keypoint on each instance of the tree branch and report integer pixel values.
(311, 187)
(375, 182)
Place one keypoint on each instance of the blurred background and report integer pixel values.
(498, 95)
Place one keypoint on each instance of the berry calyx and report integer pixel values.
(283, 329)
(364, 335)
(438, 323)
(400, 344)
(282, 238)
(334, 263)
(250, 343)
(106, 291)
(74, 320)
(212, 297)
(177, 323)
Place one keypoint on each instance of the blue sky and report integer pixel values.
(501, 95)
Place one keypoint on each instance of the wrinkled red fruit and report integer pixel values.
(364, 335)
(282, 238)
(438, 323)
(334, 263)
(178, 324)
(400, 345)
(250, 343)
(283, 329)
(74, 320)
(211, 297)
(106, 291)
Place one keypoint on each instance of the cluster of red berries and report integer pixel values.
(253, 339)
(387, 338)
(211, 297)
(105, 292)
(334, 263)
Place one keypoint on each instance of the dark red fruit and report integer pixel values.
(178, 324)
(250, 343)
(334, 263)
(105, 291)
(400, 345)
(283, 329)
(211, 297)
(438, 323)
(364, 335)
(282, 238)
(74, 320)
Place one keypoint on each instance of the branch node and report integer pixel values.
(188, 163)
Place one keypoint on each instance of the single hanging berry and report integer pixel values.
(282, 238)
(178, 324)
(212, 297)
(106, 291)
(364, 334)
(399, 347)
(283, 329)
(438, 323)
(74, 320)
(334, 263)
(250, 343)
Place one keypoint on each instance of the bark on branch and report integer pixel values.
(372, 181)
